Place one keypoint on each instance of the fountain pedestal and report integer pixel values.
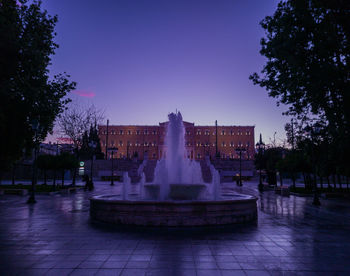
(177, 191)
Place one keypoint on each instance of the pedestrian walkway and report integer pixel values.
(56, 237)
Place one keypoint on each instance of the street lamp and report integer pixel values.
(112, 150)
(92, 146)
(35, 127)
(240, 150)
(260, 146)
(314, 130)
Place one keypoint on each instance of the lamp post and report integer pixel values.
(240, 150)
(35, 127)
(92, 146)
(260, 146)
(316, 200)
(112, 150)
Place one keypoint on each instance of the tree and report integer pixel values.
(26, 91)
(308, 52)
(67, 161)
(76, 122)
(307, 46)
(86, 151)
(44, 162)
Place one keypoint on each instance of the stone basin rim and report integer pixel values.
(241, 199)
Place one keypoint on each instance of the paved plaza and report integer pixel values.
(56, 237)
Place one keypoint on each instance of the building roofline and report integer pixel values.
(186, 122)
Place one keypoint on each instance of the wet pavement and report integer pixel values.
(291, 237)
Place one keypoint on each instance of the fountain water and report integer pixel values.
(178, 195)
(175, 169)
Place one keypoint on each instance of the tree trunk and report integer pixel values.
(45, 177)
(54, 180)
(62, 178)
(328, 182)
(13, 173)
(74, 176)
(315, 180)
(281, 179)
(75, 169)
(305, 184)
(339, 180)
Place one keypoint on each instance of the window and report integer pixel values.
(198, 132)
(188, 133)
(188, 144)
(121, 132)
(207, 144)
(120, 143)
(232, 144)
(198, 155)
(154, 132)
(146, 132)
(223, 144)
(207, 132)
(223, 132)
(232, 132)
(198, 144)
(112, 143)
(137, 132)
(129, 132)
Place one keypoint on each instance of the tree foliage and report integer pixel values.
(26, 91)
(307, 46)
(86, 151)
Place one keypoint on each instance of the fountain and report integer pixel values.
(178, 196)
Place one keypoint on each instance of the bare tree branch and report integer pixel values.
(77, 119)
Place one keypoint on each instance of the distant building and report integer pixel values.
(55, 148)
(148, 141)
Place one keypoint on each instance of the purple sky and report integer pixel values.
(140, 60)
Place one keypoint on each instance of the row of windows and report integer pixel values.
(223, 132)
(225, 156)
(223, 144)
(136, 144)
(146, 132)
(198, 144)
(129, 132)
(123, 155)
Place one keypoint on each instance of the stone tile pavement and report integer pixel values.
(56, 237)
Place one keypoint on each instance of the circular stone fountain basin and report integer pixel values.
(236, 209)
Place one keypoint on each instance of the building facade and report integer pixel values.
(148, 141)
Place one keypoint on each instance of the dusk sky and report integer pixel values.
(140, 60)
